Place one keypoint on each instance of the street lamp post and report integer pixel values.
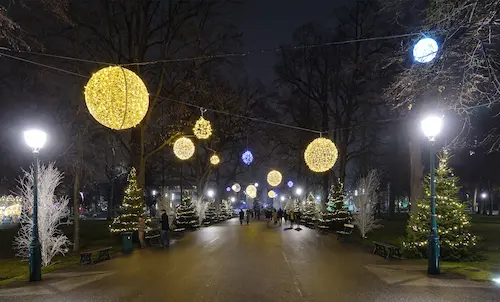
(35, 140)
(431, 127)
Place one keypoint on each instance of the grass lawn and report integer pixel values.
(93, 234)
(486, 227)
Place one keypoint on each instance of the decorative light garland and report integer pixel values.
(202, 129)
(183, 148)
(251, 191)
(247, 157)
(116, 97)
(271, 194)
(274, 178)
(215, 160)
(321, 155)
(236, 187)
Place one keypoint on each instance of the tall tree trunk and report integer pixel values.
(76, 212)
(474, 202)
(416, 172)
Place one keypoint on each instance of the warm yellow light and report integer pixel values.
(13, 210)
(320, 155)
(183, 148)
(271, 194)
(274, 178)
(202, 129)
(214, 159)
(117, 98)
(251, 191)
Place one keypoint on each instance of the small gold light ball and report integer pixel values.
(214, 160)
(321, 155)
(202, 129)
(251, 191)
(271, 194)
(274, 178)
(183, 148)
(117, 98)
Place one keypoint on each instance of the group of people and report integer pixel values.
(273, 217)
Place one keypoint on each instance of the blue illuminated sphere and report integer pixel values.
(290, 183)
(247, 157)
(425, 50)
(228, 189)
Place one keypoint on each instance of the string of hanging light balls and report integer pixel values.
(251, 191)
(184, 148)
(202, 128)
(214, 160)
(320, 155)
(274, 178)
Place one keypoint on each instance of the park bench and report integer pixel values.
(386, 250)
(342, 235)
(154, 239)
(86, 256)
(178, 233)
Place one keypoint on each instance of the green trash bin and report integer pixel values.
(127, 242)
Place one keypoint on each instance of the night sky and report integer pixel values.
(269, 24)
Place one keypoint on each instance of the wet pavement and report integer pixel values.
(229, 262)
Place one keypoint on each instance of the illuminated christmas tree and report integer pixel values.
(456, 242)
(210, 214)
(186, 216)
(131, 207)
(310, 215)
(335, 215)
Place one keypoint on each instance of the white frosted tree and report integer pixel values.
(201, 206)
(365, 203)
(51, 212)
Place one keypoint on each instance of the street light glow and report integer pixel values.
(425, 50)
(431, 126)
(153, 192)
(233, 199)
(210, 193)
(282, 198)
(298, 191)
(35, 139)
(484, 195)
(256, 184)
(318, 198)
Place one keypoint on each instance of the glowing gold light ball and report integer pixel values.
(251, 191)
(271, 194)
(117, 98)
(214, 159)
(274, 178)
(183, 148)
(202, 129)
(320, 155)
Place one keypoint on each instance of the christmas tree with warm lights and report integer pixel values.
(335, 215)
(210, 214)
(131, 207)
(456, 241)
(186, 216)
(310, 215)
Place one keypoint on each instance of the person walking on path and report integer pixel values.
(242, 215)
(292, 217)
(165, 227)
(280, 215)
(141, 228)
(275, 216)
(248, 216)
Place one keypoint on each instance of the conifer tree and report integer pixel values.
(456, 241)
(131, 208)
(335, 215)
(186, 216)
(210, 214)
(309, 217)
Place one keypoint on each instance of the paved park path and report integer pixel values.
(229, 262)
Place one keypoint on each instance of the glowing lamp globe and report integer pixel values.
(320, 155)
(251, 191)
(228, 189)
(202, 129)
(431, 126)
(425, 50)
(183, 148)
(214, 159)
(271, 194)
(289, 183)
(236, 187)
(35, 139)
(247, 157)
(117, 98)
(274, 178)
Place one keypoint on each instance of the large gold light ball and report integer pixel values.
(320, 155)
(117, 98)
(274, 178)
(251, 191)
(214, 160)
(271, 194)
(202, 129)
(183, 148)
